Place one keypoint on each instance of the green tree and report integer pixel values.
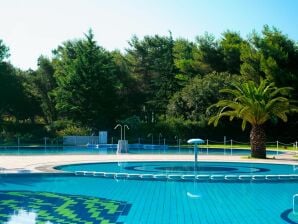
(14, 100)
(4, 51)
(8, 86)
(27, 105)
(184, 60)
(250, 67)
(191, 102)
(151, 61)
(86, 83)
(209, 55)
(127, 87)
(40, 84)
(279, 57)
(255, 104)
(230, 45)
(5, 69)
(271, 55)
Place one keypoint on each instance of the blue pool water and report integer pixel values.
(112, 150)
(184, 168)
(29, 198)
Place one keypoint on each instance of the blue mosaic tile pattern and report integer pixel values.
(61, 208)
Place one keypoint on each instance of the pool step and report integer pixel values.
(189, 177)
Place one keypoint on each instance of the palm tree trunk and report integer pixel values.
(258, 141)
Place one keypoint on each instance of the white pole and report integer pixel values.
(277, 148)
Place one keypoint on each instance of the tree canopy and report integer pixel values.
(156, 82)
(86, 82)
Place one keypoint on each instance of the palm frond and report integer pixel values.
(254, 103)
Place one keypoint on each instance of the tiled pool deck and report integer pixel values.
(44, 163)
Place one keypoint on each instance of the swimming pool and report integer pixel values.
(65, 198)
(81, 150)
(70, 198)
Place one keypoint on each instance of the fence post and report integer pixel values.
(18, 144)
(231, 146)
(225, 139)
(277, 148)
(45, 144)
(207, 146)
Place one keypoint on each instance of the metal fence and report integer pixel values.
(159, 140)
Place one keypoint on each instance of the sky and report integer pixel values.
(31, 28)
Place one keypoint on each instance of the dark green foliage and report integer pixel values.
(209, 54)
(3, 51)
(152, 63)
(184, 60)
(87, 81)
(158, 85)
(191, 102)
(15, 100)
(130, 96)
(273, 56)
(43, 83)
(231, 44)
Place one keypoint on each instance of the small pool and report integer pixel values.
(185, 168)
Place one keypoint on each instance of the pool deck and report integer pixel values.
(45, 163)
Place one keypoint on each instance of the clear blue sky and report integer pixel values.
(34, 27)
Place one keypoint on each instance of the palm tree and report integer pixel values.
(255, 104)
